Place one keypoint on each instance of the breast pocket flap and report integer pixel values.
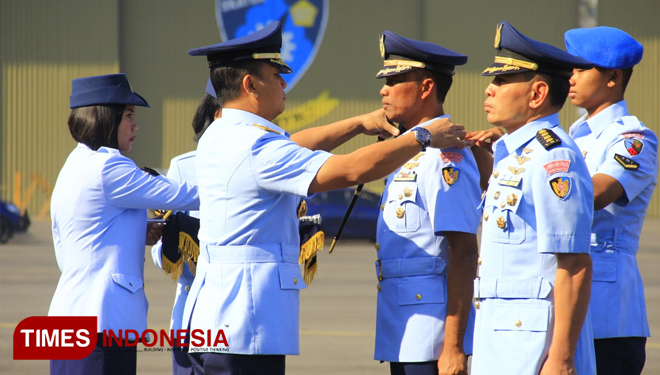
(131, 283)
(418, 291)
(521, 318)
(290, 277)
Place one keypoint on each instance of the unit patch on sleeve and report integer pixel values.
(451, 175)
(634, 146)
(561, 186)
(451, 157)
(625, 162)
(557, 166)
(547, 138)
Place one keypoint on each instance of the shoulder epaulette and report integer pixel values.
(547, 138)
(266, 128)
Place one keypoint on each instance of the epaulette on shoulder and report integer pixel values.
(547, 138)
(265, 128)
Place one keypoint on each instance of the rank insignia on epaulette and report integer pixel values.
(266, 128)
(625, 162)
(561, 187)
(510, 181)
(516, 170)
(405, 176)
(451, 175)
(547, 138)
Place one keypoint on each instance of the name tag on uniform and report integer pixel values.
(409, 176)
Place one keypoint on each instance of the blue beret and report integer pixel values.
(517, 53)
(607, 47)
(105, 89)
(264, 44)
(210, 90)
(402, 55)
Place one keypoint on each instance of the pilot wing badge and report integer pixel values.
(303, 26)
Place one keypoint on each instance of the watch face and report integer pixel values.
(423, 136)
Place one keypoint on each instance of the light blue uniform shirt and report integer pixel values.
(539, 202)
(98, 209)
(182, 168)
(251, 180)
(436, 191)
(617, 294)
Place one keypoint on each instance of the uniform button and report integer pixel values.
(295, 280)
(479, 261)
(400, 212)
(379, 287)
(407, 191)
(496, 195)
(503, 204)
(477, 305)
(518, 323)
(377, 246)
(419, 297)
(486, 216)
(382, 207)
(496, 173)
(501, 222)
(400, 196)
(187, 288)
(131, 284)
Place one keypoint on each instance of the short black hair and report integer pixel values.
(96, 126)
(558, 87)
(442, 82)
(227, 79)
(204, 116)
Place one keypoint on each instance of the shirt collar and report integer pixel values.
(426, 123)
(604, 118)
(528, 131)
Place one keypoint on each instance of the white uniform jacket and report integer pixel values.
(434, 192)
(98, 209)
(182, 168)
(539, 202)
(251, 178)
(618, 145)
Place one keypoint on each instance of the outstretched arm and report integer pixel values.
(329, 137)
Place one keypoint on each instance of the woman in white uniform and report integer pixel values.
(99, 215)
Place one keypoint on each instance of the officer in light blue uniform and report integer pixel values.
(251, 176)
(428, 222)
(99, 214)
(182, 168)
(622, 156)
(532, 291)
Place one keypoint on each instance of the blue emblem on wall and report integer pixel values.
(303, 25)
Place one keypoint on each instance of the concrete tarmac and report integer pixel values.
(337, 318)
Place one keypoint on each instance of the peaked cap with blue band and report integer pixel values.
(517, 53)
(403, 55)
(263, 45)
(105, 89)
(607, 47)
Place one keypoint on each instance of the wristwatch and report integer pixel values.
(423, 137)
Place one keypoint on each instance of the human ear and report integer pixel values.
(427, 86)
(248, 86)
(539, 92)
(615, 77)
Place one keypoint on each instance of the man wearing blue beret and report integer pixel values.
(622, 156)
(532, 292)
(426, 237)
(252, 175)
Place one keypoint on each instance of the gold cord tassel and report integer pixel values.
(308, 255)
(172, 269)
(190, 250)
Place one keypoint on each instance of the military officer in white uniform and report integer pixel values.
(251, 175)
(532, 292)
(622, 156)
(426, 239)
(99, 213)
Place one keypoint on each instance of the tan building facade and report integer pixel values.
(45, 45)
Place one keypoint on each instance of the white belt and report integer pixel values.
(250, 254)
(511, 288)
(409, 267)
